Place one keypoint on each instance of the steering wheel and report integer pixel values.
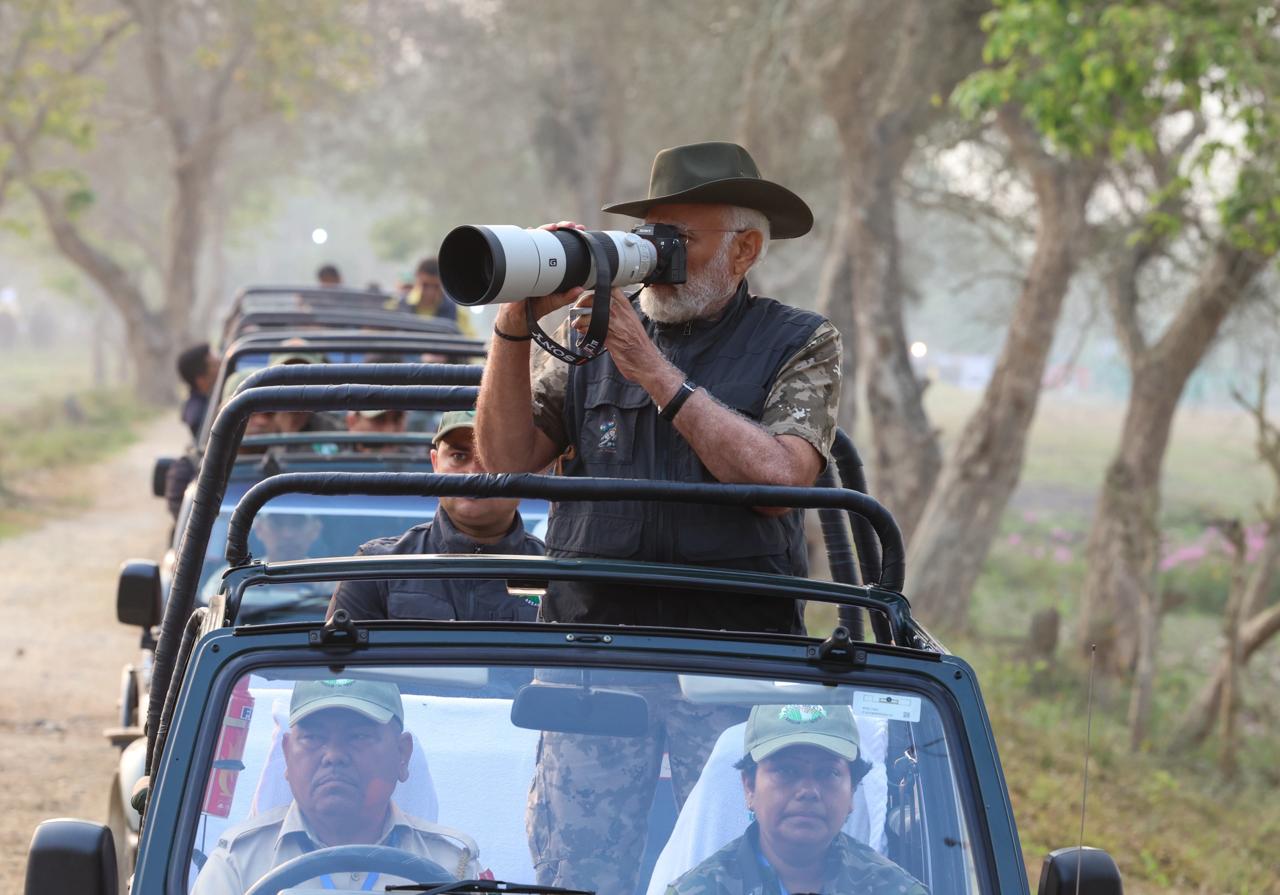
(342, 858)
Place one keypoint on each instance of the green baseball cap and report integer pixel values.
(379, 701)
(454, 419)
(774, 727)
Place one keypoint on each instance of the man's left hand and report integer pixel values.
(635, 355)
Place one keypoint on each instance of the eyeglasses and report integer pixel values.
(683, 235)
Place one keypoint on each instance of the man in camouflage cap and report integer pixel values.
(799, 773)
(702, 381)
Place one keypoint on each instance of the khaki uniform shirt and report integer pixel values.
(247, 851)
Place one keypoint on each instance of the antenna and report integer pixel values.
(1088, 741)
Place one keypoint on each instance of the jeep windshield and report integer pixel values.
(612, 779)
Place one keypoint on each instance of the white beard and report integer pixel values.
(694, 298)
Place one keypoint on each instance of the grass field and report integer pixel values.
(51, 418)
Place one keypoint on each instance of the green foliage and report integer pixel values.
(1104, 78)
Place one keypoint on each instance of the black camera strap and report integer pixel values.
(591, 345)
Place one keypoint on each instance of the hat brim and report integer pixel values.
(789, 216)
(845, 749)
(441, 434)
(376, 713)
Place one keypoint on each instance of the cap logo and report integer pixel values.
(802, 714)
(339, 682)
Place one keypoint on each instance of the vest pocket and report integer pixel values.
(707, 534)
(611, 411)
(576, 530)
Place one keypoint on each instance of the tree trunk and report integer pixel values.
(1142, 696)
(963, 514)
(835, 301)
(191, 178)
(882, 95)
(905, 456)
(1245, 630)
(150, 344)
(1123, 546)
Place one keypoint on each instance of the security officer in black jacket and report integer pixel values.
(461, 525)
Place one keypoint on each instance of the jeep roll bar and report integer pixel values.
(211, 485)
(339, 374)
(227, 432)
(357, 319)
(553, 488)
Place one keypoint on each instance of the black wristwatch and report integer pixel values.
(673, 406)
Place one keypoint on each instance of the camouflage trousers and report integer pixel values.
(588, 812)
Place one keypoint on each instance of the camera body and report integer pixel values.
(482, 265)
(672, 257)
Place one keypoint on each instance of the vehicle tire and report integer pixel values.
(118, 823)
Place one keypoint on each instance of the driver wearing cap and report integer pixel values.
(344, 753)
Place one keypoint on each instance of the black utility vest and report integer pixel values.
(615, 432)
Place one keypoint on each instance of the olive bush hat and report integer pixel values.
(379, 701)
(774, 727)
(720, 174)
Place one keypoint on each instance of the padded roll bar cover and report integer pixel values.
(561, 488)
(69, 855)
(364, 374)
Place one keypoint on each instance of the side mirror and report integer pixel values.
(159, 473)
(1097, 872)
(580, 709)
(72, 856)
(138, 596)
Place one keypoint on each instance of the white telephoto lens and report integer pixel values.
(637, 258)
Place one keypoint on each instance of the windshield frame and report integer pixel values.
(224, 655)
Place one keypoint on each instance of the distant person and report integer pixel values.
(379, 422)
(427, 298)
(329, 275)
(265, 422)
(462, 525)
(198, 368)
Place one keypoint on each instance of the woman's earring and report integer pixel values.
(751, 816)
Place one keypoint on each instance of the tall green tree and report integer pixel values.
(1177, 98)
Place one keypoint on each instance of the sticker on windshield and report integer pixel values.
(886, 705)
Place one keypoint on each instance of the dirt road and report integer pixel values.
(62, 649)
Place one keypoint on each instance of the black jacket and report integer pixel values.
(616, 432)
(439, 598)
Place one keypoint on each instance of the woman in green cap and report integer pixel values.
(799, 774)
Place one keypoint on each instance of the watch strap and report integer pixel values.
(672, 407)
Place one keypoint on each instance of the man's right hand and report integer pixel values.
(511, 316)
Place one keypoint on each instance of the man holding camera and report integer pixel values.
(702, 381)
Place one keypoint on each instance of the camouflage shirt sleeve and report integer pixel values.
(549, 378)
(806, 392)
